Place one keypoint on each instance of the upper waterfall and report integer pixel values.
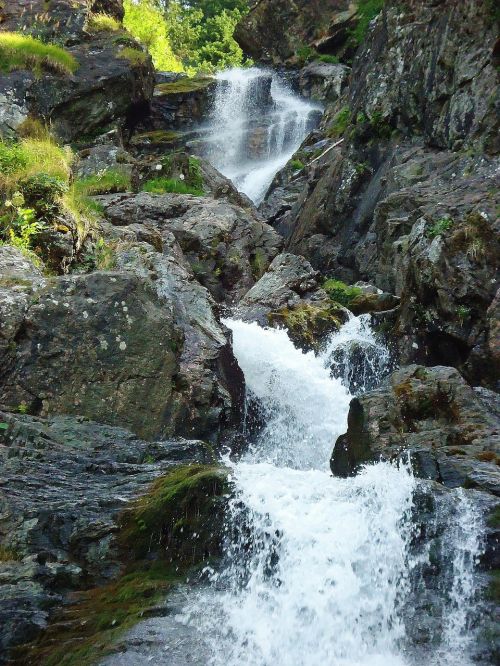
(257, 123)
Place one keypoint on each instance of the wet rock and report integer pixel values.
(227, 247)
(180, 103)
(451, 432)
(65, 483)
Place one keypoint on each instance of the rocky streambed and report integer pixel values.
(123, 382)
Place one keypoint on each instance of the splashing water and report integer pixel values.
(318, 570)
(257, 124)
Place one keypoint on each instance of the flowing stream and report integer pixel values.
(321, 570)
(257, 123)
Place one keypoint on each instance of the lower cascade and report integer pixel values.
(321, 570)
(257, 124)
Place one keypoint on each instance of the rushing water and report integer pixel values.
(320, 570)
(257, 123)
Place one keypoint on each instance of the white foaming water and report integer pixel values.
(257, 124)
(317, 569)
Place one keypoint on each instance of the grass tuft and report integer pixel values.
(174, 185)
(19, 51)
(103, 23)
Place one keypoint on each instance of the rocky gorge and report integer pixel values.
(126, 333)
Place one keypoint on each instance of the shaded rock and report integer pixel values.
(261, 35)
(322, 81)
(450, 431)
(227, 247)
(65, 483)
(180, 103)
(101, 345)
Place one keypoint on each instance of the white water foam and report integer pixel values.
(241, 114)
(317, 569)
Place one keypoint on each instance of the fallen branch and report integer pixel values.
(325, 152)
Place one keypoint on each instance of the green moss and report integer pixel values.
(307, 323)
(340, 292)
(157, 136)
(136, 57)
(182, 86)
(18, 51)
(297, 165)
(195, 176)
(259, 264)
(189, 493)
(174, 527)
(340, 122)
(174, 185)
(330, 59)
(7, 554)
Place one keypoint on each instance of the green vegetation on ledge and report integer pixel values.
(340, 292)
(19, 51)
(175, 527)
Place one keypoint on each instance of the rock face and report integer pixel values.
(322, 81)
(408, 201)
(261, 34)
(65, 483)
(152, 342)
(227, 247)
(450, 430)
(113, 82)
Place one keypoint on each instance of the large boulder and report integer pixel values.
(450, 430)
(228, 248)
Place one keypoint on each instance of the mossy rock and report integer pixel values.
(157, 137)
(183, 86)
(182, 515)
(309, 323)
(163, 536)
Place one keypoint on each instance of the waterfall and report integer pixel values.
(321, 570)
(257, 123)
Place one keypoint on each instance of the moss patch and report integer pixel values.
(163, 535)
(308, 323)
(340, 292)
(183, 86)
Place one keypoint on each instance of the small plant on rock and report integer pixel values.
(18, 51)
(440, 227)
(103, 23)
(340, 122)
(340, 292)
(297, 165)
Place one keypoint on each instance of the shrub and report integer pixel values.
(145, 21)
(340, 292)
(305, 53)
(19, 51)
(439, 227)
(43, 193)
(103, 23)
(175, 185)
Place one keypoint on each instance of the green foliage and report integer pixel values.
(146, 22)
(174, 185)
(305, 53)
(195, 176)
(326, 57)
(135, 56)
(340, 292)
(297, 165)
(367, 11)
(19, 51)
(340, 122)
(18, 226)
(463, 313)
(107, 181)
(103, 23)
(439, 227)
